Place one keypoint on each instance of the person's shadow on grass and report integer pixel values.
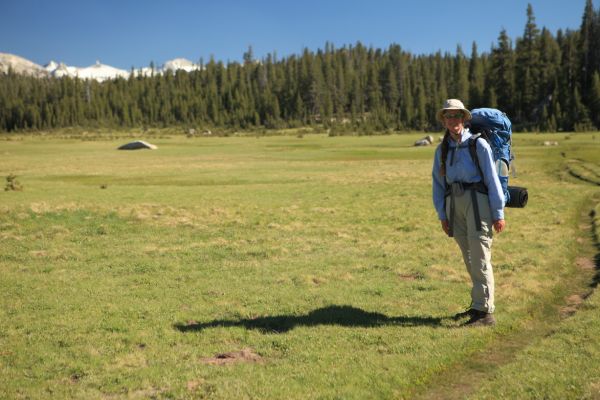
(331, 315)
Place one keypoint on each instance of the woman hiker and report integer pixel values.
(468, 205)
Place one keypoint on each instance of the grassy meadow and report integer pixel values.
(286, 267)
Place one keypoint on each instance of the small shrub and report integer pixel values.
(12, 183)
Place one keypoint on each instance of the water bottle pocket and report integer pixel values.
(502, 168)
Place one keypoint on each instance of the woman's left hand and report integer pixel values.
(499, 225)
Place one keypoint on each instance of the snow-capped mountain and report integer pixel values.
(180, 63)
(101, 72)
(58, 70)
(172, 65)
(98, 71)
(20, 65)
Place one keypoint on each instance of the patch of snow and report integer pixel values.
(101, 72)
(180, 64)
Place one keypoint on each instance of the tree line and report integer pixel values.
(543, 81)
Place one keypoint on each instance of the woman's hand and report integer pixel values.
(499, 225)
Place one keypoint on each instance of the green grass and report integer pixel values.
(121, 272)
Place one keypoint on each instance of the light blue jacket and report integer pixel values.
(463, 169)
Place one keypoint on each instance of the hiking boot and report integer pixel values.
(481, 318)
(464, 314)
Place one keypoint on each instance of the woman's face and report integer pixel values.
(454, 121)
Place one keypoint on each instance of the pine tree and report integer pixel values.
(460, 87)
(248, 56)
(316, 88)
(549, 64)
(527, 71)
(556, 111)
(503, 71)
(299, 110)
(373, 90)
(421, 117)
(579, 113)
(476, 79)
(595, 99)
(340, 95)
(595, 47)
(440, 81)
(568, 80)
(408, 111)
(390, 89)
(587, 47)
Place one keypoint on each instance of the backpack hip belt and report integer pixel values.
(457, 189)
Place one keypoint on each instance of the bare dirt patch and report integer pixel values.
(595, 390)
(410, 276)
(573, 303)
(244, 355)
(143, 393)
(193, 385)
(585, 263)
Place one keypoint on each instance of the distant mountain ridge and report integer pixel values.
(99, 72)
(20, 65)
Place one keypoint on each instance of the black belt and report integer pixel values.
(458, 188)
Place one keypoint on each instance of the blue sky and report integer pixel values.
(125, 33)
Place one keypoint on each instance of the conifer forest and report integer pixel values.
(544, 81)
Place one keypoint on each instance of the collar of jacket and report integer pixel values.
(464, 136)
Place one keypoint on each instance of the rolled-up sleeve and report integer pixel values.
(439, 186)
(490, 178)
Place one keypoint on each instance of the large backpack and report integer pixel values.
(494, 126)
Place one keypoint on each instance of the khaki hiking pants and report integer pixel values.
(476, 247)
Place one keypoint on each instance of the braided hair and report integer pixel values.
(445, 145)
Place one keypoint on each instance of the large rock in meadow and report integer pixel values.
(137, 145)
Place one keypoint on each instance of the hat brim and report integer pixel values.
(466, 113)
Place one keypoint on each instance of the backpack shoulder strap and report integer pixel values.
(473, 152)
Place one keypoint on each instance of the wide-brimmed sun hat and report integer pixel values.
(453, 104)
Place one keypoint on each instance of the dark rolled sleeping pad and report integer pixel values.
(518, 197)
